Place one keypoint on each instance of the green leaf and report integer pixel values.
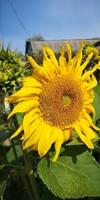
(10, 154)
(20, 117)
(3, 185)
(4, 133)
(3, 158)
(74, 175)
(47, 195)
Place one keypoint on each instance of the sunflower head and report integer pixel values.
(56, 100)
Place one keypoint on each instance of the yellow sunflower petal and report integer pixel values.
(24, 106)
(93, 50)
(58, 143)
(34, 147)
(31, 82)
(50, 69)
(84, 138)
(54, 135)
(17, 132)
(21, 99)
(33, 139)
(87, 116)
(97, 58)
(38, 70)
(62, 62)
(33, 126)
(69, 51)
(89, 100)
(44, 143)
(91, 83)
(90, 72)
(23, 92)
(83, 66)
(87, 130)
(33, 63)
(79, 58)
(52, 56)
(22, 137)
(67, 135)
(73, 62)
(28, 118)
(50, 60)
(90, 108)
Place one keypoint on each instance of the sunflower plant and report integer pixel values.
(58, 123)
(12, 68)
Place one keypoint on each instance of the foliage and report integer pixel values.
(92, 62)
(37, 37)
(12, 68)
(73, 174)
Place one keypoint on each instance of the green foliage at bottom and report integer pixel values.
(3, 185)
(75, 174)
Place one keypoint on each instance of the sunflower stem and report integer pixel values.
(22, 174)
(31, 186)
(31, 176)
(14, 150)
(27, 187)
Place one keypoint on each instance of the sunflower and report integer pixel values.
(56, 100)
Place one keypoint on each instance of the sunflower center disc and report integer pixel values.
(61, 101)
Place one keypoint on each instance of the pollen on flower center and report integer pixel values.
(66, 100)
(61, 101)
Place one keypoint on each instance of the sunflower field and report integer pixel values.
(50, 124)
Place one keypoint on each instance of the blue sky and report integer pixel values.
(53, 19)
